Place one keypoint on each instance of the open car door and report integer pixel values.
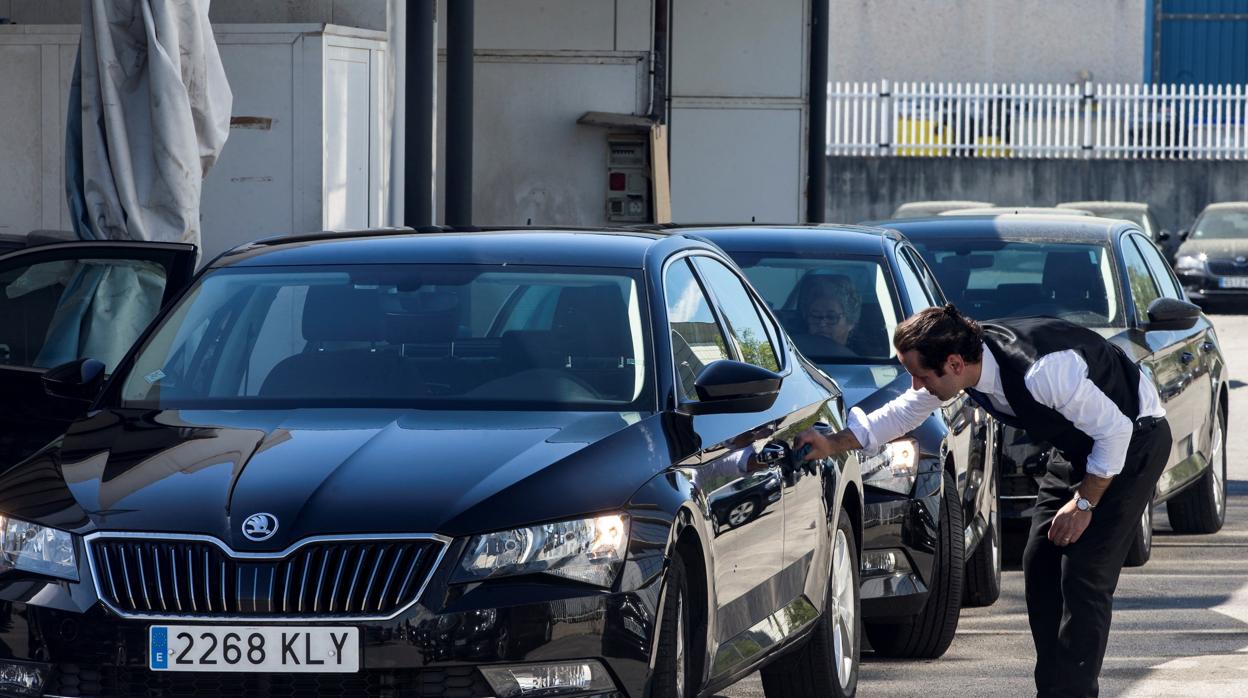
(68, 301)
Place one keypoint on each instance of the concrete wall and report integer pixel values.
(367, 14)
(871, 188)
(987, 40)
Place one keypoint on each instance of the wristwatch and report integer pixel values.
(1083, 503)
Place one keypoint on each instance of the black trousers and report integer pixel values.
(1070, 589)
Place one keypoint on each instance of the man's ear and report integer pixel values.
(955, 364)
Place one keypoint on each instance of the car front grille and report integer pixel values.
(1226, 267)
(132, 681)
(328, 579)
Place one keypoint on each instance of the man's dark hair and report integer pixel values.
(937, 334)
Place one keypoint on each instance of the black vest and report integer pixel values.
(1017, 343)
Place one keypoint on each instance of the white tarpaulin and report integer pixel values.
(149, 111)
(154, 109)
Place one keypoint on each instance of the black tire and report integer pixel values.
(929, 634)
(1201, 508)
(673, 676)
(815, 669)
(1142, 545)
(983, 570)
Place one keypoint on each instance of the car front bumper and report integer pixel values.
(899, 548)
(420, 654)
(1204, 285)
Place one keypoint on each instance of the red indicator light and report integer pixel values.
(619, 181)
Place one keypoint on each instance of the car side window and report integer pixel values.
(1143, 288)
(1161, 271)
(913, 285)
(696, 337)
(740, 314)
(57, 311)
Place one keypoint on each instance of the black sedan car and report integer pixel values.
(417, 465)
(1212, 262)
(931, 506)
(1107, 275)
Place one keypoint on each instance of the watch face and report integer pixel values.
(1082, 504)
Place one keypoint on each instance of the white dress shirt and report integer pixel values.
(1058, 380)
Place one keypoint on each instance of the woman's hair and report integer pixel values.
(839, 286)
(938, 333)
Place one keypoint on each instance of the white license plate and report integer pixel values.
(266, 648)
(1233, 282)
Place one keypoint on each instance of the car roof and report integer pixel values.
(1101, 205)
(1228, 206)
(1030, 228)
(590, 247)
(839, 239)
(1008, 210)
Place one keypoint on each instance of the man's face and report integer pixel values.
(945, 387)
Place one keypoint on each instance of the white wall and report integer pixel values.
(540, 65)
(739, 113)
(987, 40)
(366, 14)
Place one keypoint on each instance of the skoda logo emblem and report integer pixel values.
(260, 526)
(1241, 260)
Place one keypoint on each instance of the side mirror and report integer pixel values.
(78, 380)
(1163, 236)
(733, 386)
(1183, 234)
(1171, 314)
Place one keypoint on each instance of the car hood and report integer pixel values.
(1215, 248)
(333, 471)
(868, 385)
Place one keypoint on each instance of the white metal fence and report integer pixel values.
(1204, 122)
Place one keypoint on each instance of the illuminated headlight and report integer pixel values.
(1191, 262)
(28, 547)
(893, 467)
(587, 550)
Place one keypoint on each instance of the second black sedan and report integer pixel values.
(1108, 276)
(931, 534)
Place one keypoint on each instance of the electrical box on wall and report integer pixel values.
(628, 178)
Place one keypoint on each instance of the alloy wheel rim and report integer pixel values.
(844, 621)
(1218, 465)
(680, 646)
(741, 513)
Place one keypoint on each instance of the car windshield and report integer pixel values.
(1222, 224)
(989, 279)
(447, 337)
(837, 310)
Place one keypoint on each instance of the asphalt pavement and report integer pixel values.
(1180, 621)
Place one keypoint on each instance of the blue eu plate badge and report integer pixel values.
(160, 648)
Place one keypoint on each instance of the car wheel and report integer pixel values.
(742, 513)
(1201, 508)
(930, 633)
(983, 570)
(827, 664)
(1142, 545)
(671, 668)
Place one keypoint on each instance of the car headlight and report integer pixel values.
(893, 467)
(587, 550)
(1192, 262)
(29, 547)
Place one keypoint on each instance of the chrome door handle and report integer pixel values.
(772, 453)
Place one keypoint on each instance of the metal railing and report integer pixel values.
(923, 119)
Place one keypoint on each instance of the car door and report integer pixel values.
(739, 466)
(1165, 361)
(1191, 348)
(68, 301)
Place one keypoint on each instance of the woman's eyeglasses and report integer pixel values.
(832, 318)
